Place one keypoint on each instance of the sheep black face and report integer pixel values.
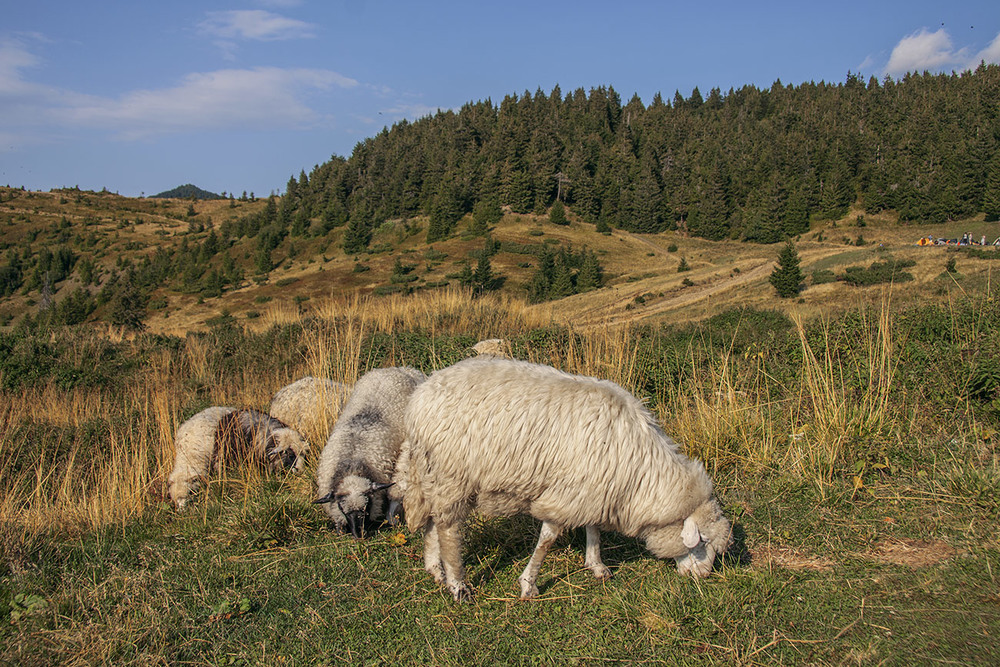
(353, 498)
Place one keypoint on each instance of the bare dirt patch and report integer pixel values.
(769, 555)
(913, 553)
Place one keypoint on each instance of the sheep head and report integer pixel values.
(352, 497)
(695, 542)
(286, 450)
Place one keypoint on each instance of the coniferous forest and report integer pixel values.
(753, 164)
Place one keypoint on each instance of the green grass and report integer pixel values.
(267, 582)
(886, 553)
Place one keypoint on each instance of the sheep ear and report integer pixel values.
(380, 487)
(690, 534)
(328, 498)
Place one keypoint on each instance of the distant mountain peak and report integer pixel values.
(186, 191)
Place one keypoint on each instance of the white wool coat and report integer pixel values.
(306, 404)
(507, 436)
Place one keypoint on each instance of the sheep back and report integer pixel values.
(257, 437)
(220, 436)
(511, 436)
(309, 405)
(194, 446)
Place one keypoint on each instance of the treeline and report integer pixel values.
(754, 164)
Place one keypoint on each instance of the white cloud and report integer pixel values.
(924, 50)
(259, 98)
(255, 24)
(934, 51)
(991, 54)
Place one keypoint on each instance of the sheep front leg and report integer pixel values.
(432, 552)
(546, 538)
(593, 558)
(449, 540)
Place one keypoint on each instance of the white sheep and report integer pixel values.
(497, 347)
(218, 437)
(309, 405)
(359, 459)
(504, 437)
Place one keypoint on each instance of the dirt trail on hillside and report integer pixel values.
(607, 307)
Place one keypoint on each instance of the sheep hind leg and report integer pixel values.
(593, 557)
(450, 545)
(546, 538)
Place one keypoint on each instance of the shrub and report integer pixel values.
(890, 270)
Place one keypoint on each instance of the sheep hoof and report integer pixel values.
(461, 593)
(528, 589)
(601, 572)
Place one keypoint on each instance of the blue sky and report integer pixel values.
(139, 96)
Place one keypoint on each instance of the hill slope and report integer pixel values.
(87, 245)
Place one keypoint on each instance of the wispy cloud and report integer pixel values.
(225, 99)
(255, 24)
(934, 51)
(258, 98)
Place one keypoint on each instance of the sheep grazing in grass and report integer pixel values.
(497, 347)
(309, 405)
(504, 437)
(218, 437)
(359, 459)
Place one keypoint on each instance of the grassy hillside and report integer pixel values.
(641, 278)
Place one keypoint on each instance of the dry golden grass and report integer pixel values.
(723, 416)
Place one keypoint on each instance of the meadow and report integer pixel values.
(856, 454)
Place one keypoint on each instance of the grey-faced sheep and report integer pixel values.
(309, 405)
(503, 437)
(359, 459)
(218, 437)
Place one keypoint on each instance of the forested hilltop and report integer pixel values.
(749, 164)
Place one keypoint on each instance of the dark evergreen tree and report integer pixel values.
(557, 214)
(127, 303)
(562, 282)
(483, 279)
(787, 276)
(262, 261)
(589, 276)
(357, 236)
(991, 193)
(486, 214)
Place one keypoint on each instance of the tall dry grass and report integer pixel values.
(723, 415)
(840, 419)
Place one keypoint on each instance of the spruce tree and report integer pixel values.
(589, 276)
(557, 214)
(357, 236)
(483, 279)
(787, 276)
(991, 194)
(562, 282)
